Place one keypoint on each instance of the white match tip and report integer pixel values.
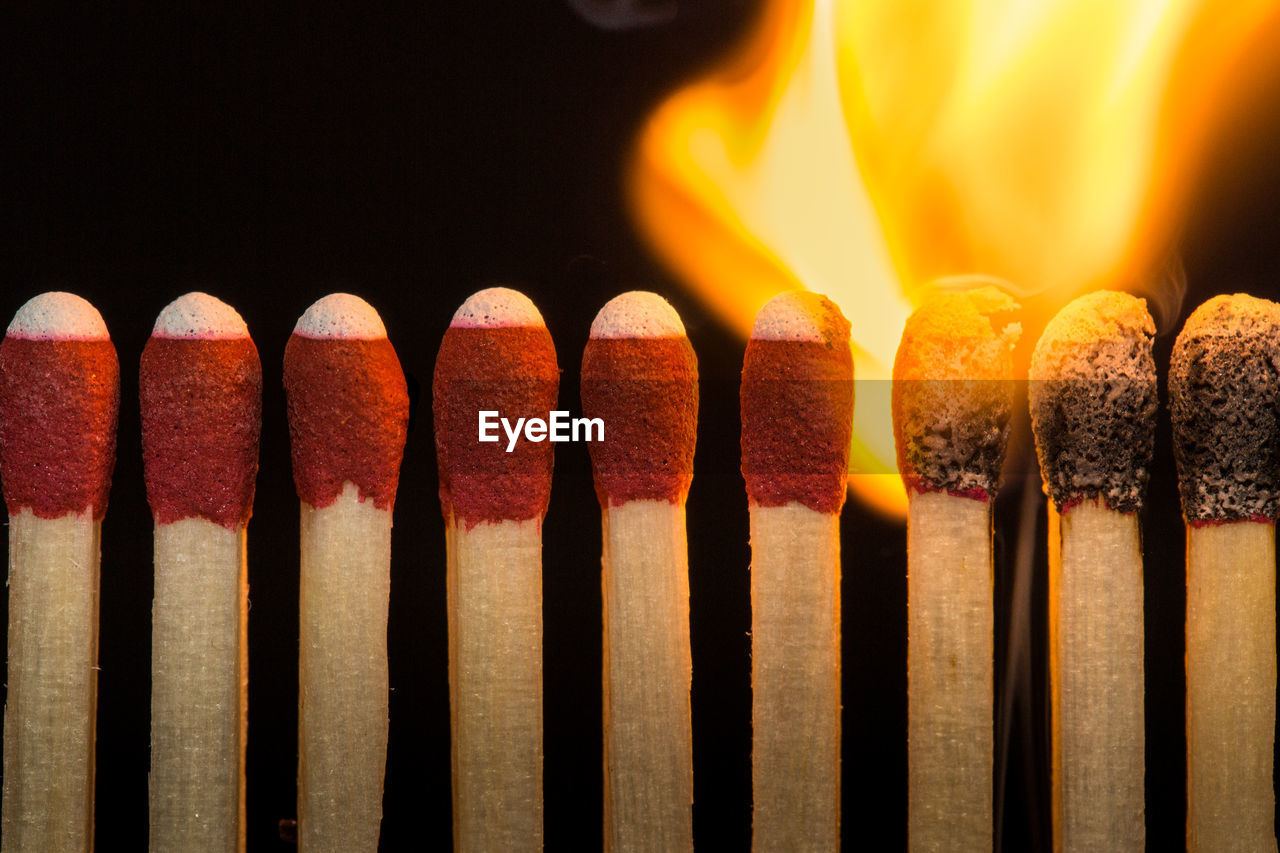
(58, 316)
(199, 316)
(341, 316)
(637, 314)
(494, 308)
(793, 315)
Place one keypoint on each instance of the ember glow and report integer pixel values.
(873, 150)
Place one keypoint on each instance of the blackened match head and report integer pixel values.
(496, 356)
(1093, 401)
(1223, 383)
(59, 401)
(953, 392)
(640, 378)
(797, 403)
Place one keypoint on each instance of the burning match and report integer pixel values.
(1093, 409)
(797, 422)
(200, 386)
(59, 398)
(497, 355)
(348, 417)
(952, 400)
(640, 377)
(1222, 392)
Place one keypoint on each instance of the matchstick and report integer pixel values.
(200, 386)
(59, 398)
(1222, 395)
(496, 356)
(640, 378)
(797, 421)
(1093, 406)
(348, 411)
(952, 400)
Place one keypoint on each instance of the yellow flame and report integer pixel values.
(869, 148)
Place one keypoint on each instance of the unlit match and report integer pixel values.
(1093, 405)
(1223, 386)
(348, 418)
(640, 377)
(797, 417)
(59, 399)
(497, 355)
(952, 400)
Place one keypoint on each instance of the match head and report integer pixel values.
(640, 378)
(1093, 401)
(200, 388)
(496, 356)
(348, 403)
(953, 393)
(1224, 378)
(59, 401)
(797, 403)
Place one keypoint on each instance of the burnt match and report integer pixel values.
(797, 424)
(348, 418)
(200, 386)
(1223, 384)
(1093, 406)
(497, 356)
(59, 400)
(640, 378)
(952, 401)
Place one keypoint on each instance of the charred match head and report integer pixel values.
(497, 356)
(59, 400)
(1093, 401)
(200, 385)
(640, 378)
(1223, 382)
(953, 394)
(348, 403)
(797, 403)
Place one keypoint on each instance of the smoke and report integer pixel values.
(624, 14)
(1164, 288)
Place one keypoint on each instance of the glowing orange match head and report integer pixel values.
(953, 394)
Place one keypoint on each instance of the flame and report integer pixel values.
(878, 149)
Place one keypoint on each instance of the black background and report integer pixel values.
(413, 155)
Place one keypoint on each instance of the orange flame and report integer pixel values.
(869, 149)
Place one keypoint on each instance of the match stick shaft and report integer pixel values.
(1231, 686)
(342, 669)
(648, 744)
(795, 678)
(199, 687)
(52, 683)
(495, 683)
(1095, 648)
(949, 673)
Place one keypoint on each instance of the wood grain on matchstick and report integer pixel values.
(496, 355)
(348, 417)
(59, 398)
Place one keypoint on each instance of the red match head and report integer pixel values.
(496, 356)
(640, 378)
(797, 403)
(59, 400)
(200, 386)
(348, 403)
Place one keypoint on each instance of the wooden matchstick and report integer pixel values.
(640, 379)
(797, 420)
(952, 400)
(348, 417)
(1093, 409)
(59, 398)
(200, 386)
(496, 356)
(1222, 394)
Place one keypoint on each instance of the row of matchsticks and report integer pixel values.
(1093, 406)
